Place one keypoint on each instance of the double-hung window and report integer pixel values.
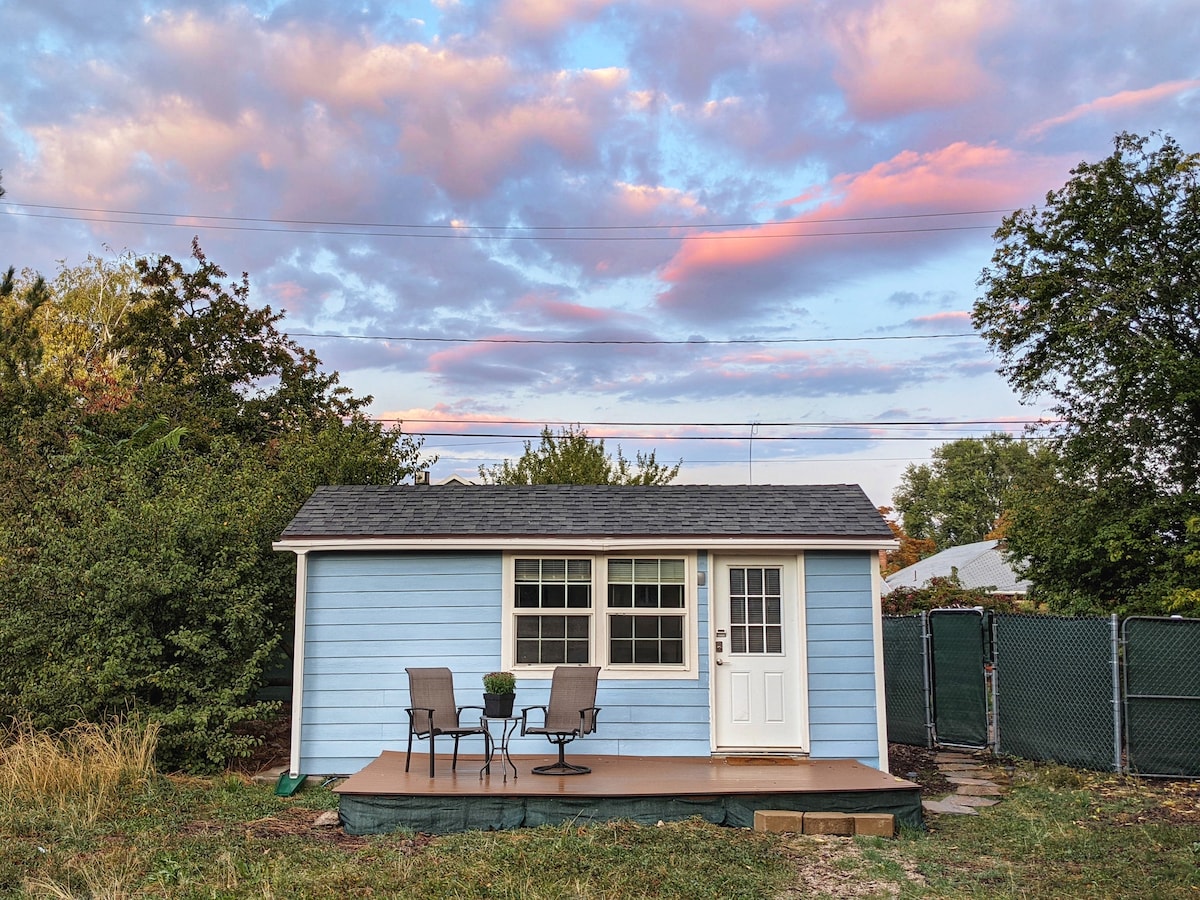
(552, 600)
(625, 613)
(645, 612)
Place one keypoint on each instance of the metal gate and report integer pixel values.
(1162, 696)
(906, 674)
(959, 657)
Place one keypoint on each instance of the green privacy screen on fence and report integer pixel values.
(958, 638)
(1162, 696)
(904, 674)
(1054, 690)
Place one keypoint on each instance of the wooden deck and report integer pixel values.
(383, 797)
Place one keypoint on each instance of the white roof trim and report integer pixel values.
(582, 545)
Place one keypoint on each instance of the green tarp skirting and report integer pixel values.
(365, 814)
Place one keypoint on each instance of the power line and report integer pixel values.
(427, 235)
(732, 437)
(699, 342)
(501, 228)
(865, 424)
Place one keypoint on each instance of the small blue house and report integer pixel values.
(726, 619)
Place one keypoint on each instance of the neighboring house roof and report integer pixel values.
(979, 565)
(840, 511)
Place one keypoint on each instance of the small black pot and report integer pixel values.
(498, 706)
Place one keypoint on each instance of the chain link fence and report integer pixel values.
(1054, 688)
(1162, 695)
(906, 682)
(1080, 691)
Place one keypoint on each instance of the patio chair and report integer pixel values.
(433, 712)
(571, 713)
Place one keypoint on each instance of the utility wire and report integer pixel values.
(867, 424)
(502, 228)
(732, 437)
(697, 342)
(635, 238)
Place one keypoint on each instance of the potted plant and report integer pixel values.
(499, 691)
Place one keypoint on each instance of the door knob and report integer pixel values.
(720, 662)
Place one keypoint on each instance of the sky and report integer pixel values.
(747, 236)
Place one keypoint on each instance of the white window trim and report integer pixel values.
(598, 627)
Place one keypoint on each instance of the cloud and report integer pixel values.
(898, 57)
(1115, 103)
(858, 220)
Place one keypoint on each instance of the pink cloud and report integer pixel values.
(956, 319)
(1115, 103)
(957, 177)
(543, 307)
(898, 57)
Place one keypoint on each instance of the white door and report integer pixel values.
(757, 655)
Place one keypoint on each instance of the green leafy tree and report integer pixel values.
(571, 457)
(961, 495)
(1093, 302)
(136, 567)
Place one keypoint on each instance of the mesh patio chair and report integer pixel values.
(433, 712)
(570, 714)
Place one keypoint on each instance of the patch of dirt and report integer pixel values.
(919, 765)
(275, 749)
(829, 866)
(1167, 802)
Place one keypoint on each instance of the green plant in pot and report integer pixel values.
(499, 691)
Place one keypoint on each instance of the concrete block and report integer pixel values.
(875, 824)
(778, 820)
(829, 823)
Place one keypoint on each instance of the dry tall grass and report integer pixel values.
(82, 770)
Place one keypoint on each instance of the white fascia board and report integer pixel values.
(520, 543)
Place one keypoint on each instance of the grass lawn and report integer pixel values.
(129, 832)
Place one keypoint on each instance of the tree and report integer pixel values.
(201, 353)
(1093, 301)
(961, 496)
(136, 567)
(571, 457)
(911, 550)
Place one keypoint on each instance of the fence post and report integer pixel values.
(995, 716)
(1116, 689)
(926, 637)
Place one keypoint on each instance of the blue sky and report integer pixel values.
(677, 225)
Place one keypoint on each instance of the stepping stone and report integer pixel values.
(963, 779)
(960, 767)
(979, 790)
(974, 801)
(947, 807)
(950, 756)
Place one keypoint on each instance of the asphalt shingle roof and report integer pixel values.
(404, 511)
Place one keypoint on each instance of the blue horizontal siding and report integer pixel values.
(371, 616)
(843, 708)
